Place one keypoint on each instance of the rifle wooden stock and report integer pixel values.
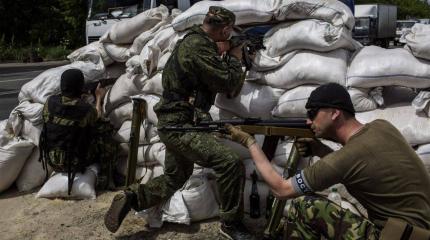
(139, 113)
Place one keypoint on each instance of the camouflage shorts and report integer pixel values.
(312, 216)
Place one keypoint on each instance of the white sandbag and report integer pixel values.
(123, 134)
(48, 82)
(153, 50)
(398, 94)
(147, 155)
(263, 191)
(374, 66)
(119, 53)
(32, 174)
(121, 114)
(30, 111)
(141, 40)
(262, 62)
(93, 52)
(310, 34)
(142, 172)
(417, 40)
(254, 100)
(292, 102)
(125, 31)
(220, 114)
(151, 100)
(31, 132)
(153, 85)
(332, 11)
(414, 127)
(328, 67)
(163, 60)
(200, 199)
(83, 185)
(121, 91)
(422, 103)
(13, 154)
(246, 11)
(175, 210)
(361, 100)
(133, 65)
(423, 152)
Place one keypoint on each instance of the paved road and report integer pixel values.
(12, 77)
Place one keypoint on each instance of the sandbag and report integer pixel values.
(292, 102)
(147, 155)
(32, 174)
(421, 103)
(121, 114)
(417, 40)
(199, 198)
(125, 31)
(254, 100)
(31, 132)
(361, 99)
(309, 34)
(13, 154)
(123, 134)
(262, 62)
(246, 11)
(48, 82)
(163, 41)
(423, 152)
(93, 52)
(114, 70)
(133, 65)
(141, 40)
(306, 67)
(151, 100)
(83, 185)
(152, 85)
(121, 91)
(119, 53)
(414, 127)
(220, 114)
(374, 66)
(332, 11)
(30, 111)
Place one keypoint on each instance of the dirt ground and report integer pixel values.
(22, 216)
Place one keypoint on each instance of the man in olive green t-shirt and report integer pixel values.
(376, 165)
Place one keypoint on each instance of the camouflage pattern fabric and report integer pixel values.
(312, 216)
(195, 66)
(102, 147)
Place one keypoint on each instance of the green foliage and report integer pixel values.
(405, 8)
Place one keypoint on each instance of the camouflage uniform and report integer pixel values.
(101, 147)
(312, 216)
(196, 69)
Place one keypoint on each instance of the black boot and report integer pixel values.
(235, 231)
(119, 208)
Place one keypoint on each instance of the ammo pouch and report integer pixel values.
(397, 229)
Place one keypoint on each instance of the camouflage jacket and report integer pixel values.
(195, 69)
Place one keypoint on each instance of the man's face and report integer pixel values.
(321, 122)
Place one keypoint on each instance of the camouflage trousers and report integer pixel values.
(312, 216)
(182, 151)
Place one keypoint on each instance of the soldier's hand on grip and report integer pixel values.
(240, 136)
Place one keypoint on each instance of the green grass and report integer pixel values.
(11, 53)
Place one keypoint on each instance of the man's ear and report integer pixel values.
(335, 114)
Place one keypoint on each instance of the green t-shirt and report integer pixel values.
(381, 171)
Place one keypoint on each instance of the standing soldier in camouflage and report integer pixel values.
(195, 71)
(74, 135)
(376, 165)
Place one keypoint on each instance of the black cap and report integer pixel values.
(331, 95)
(72, 82)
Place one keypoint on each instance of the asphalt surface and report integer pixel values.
(13, 76)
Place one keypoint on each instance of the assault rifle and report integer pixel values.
(251, 44)
(273, 131)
